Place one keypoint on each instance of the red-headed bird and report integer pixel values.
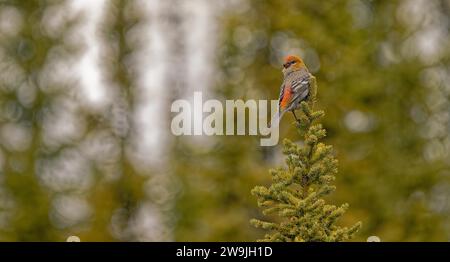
(295, 87)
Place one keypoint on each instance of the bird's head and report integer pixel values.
(292, 63)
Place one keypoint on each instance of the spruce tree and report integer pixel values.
(296, 193)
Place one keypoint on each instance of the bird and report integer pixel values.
(294, 89)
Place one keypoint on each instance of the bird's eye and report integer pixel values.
(288, 64)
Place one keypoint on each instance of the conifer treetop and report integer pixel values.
(297, 191)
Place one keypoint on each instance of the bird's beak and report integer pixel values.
(286, 65)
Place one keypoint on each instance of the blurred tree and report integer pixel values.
(296, 193)
(68, 166)
(119, 187)
(32, 100)
(124, 208)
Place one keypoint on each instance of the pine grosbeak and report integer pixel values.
(295, 87)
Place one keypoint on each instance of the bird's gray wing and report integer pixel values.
(300, 88)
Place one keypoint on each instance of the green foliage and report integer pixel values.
(296, 193)
(26, 207)
(53, 170)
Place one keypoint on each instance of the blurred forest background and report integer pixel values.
(85, 94)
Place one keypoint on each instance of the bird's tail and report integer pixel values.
(276, 118)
